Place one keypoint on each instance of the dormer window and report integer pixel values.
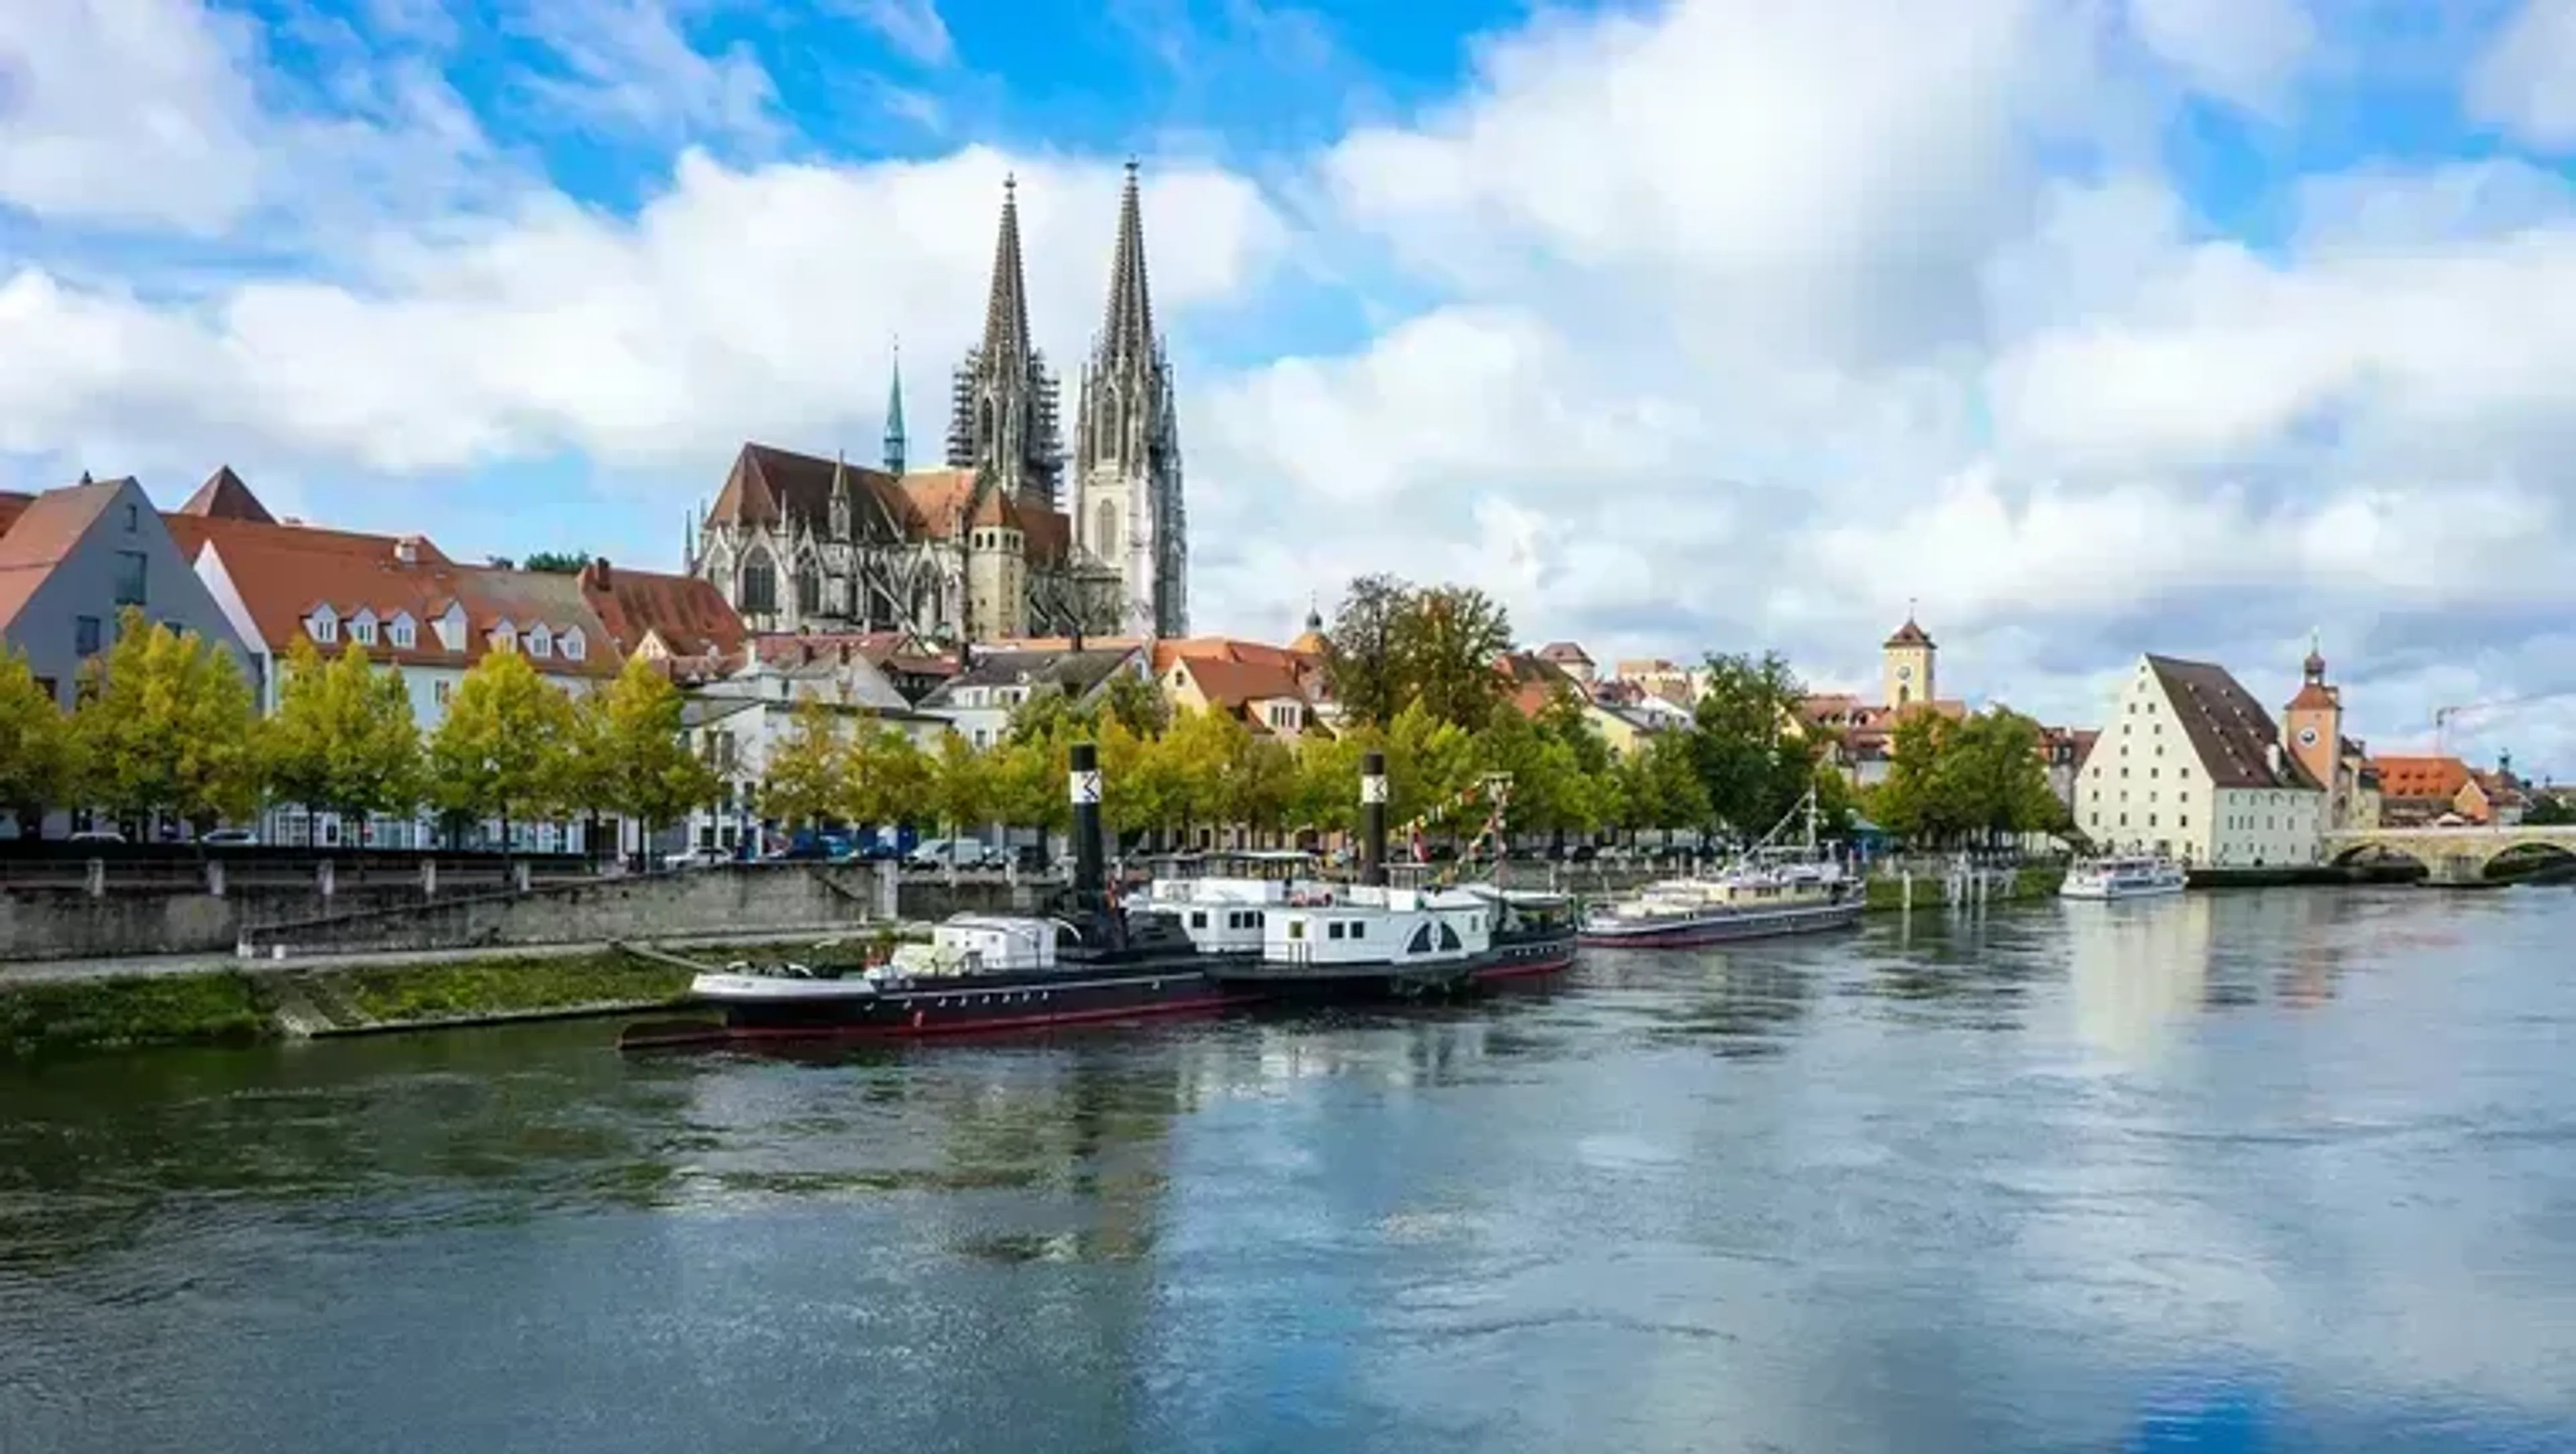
(573, 645)
(541, 642)
(323, 625)
(505, 637)
(403, 632)
(362, 628)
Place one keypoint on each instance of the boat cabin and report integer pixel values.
(1368, 925)
(1223, 900)
(980, 944)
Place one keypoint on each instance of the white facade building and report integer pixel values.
(2191, 765)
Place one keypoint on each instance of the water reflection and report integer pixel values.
(2136, 968)
(2290, 1168)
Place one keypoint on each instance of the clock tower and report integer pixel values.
(1905, 666)
(2312, 732)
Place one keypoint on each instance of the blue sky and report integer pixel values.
(2096, 326)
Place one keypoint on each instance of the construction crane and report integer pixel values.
(2443, 717)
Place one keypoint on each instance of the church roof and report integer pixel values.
(690, 616)
(769, 487)
(1910, 634)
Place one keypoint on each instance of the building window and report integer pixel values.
(573, 645)
(86, 633)
(324, 628)
(541, 643)
(440, 691)
(402, 633)
(809, 590)
(759, 586)
(1105, 528)
(129, 577)
(133, 518)
(363, 631)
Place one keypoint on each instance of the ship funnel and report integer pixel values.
(1088, 888)
(1373, 818)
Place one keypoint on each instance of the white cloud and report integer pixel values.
(912, 27)
(2526, 81)
(2242, 51)
(1729, 325)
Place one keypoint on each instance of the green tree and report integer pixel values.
(1453, 636)
(890, 779)
(1999, 778)
(342, 740)
(803, 780)
(503, 752)
(1191, 765)
(634, 752)
(35, 746)
(1660, 786)
(555, 562)
(1753, 764)
(1323, 793)
(166, 724)
(1365, 651)
(1262, 784)
(1547, 791)
(1137, 704)
(961, 784)
(2549, 810)
(1428, 763)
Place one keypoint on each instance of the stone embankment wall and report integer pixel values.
(124, 918)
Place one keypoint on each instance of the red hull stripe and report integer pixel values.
(994, 1026)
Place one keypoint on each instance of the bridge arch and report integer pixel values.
(2454, 855)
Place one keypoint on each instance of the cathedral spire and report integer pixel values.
(1127, 327)
(1006, 307)
(894, 416)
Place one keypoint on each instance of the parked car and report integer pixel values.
(696, 858)
(953, 853)
(98, 835)
(230, 838)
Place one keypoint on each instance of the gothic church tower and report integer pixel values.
(1126, 508)
(1003, 423)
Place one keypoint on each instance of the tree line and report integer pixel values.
(165, 726)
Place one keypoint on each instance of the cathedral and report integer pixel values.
(1003, 541)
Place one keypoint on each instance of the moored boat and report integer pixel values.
(1091, 962)
(1768, 893)
(1403, 935)
(2123, 876)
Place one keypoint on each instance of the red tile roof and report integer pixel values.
(2421, 777)
(13, 504)
(1910, 634)
(284, 572)
(224, 497)
(46, 530)
(690, 616)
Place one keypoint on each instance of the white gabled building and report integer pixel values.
(2191, 765)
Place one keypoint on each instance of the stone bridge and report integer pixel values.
(2450, 855)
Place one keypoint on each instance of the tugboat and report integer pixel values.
(979, 973)
(1377, 938)
(1769, 892)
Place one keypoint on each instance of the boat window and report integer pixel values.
(1448, 938)
(1198, 919)
(1296, 928)
(1337, 929)
(1359, 931)
(1421, 941)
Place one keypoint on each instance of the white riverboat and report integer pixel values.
(2123, 876)
(1771, 891)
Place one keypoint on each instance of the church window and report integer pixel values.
(1104, 528)
(809, 590)
(759, 585)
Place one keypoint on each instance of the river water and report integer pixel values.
(2281, 1170)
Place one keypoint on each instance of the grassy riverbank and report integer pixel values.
(1887, 894)
(245, 1006)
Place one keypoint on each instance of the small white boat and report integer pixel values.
(2123, 876)
(1772, 891)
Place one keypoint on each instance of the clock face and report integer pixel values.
(2307, 737)
(1905, 673)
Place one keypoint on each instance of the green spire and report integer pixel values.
(894, 416)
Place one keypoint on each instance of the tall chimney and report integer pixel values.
(1373, 819)
(1088, 890)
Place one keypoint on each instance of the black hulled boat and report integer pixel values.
(1087, 963)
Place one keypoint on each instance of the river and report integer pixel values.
(2279, 1170)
